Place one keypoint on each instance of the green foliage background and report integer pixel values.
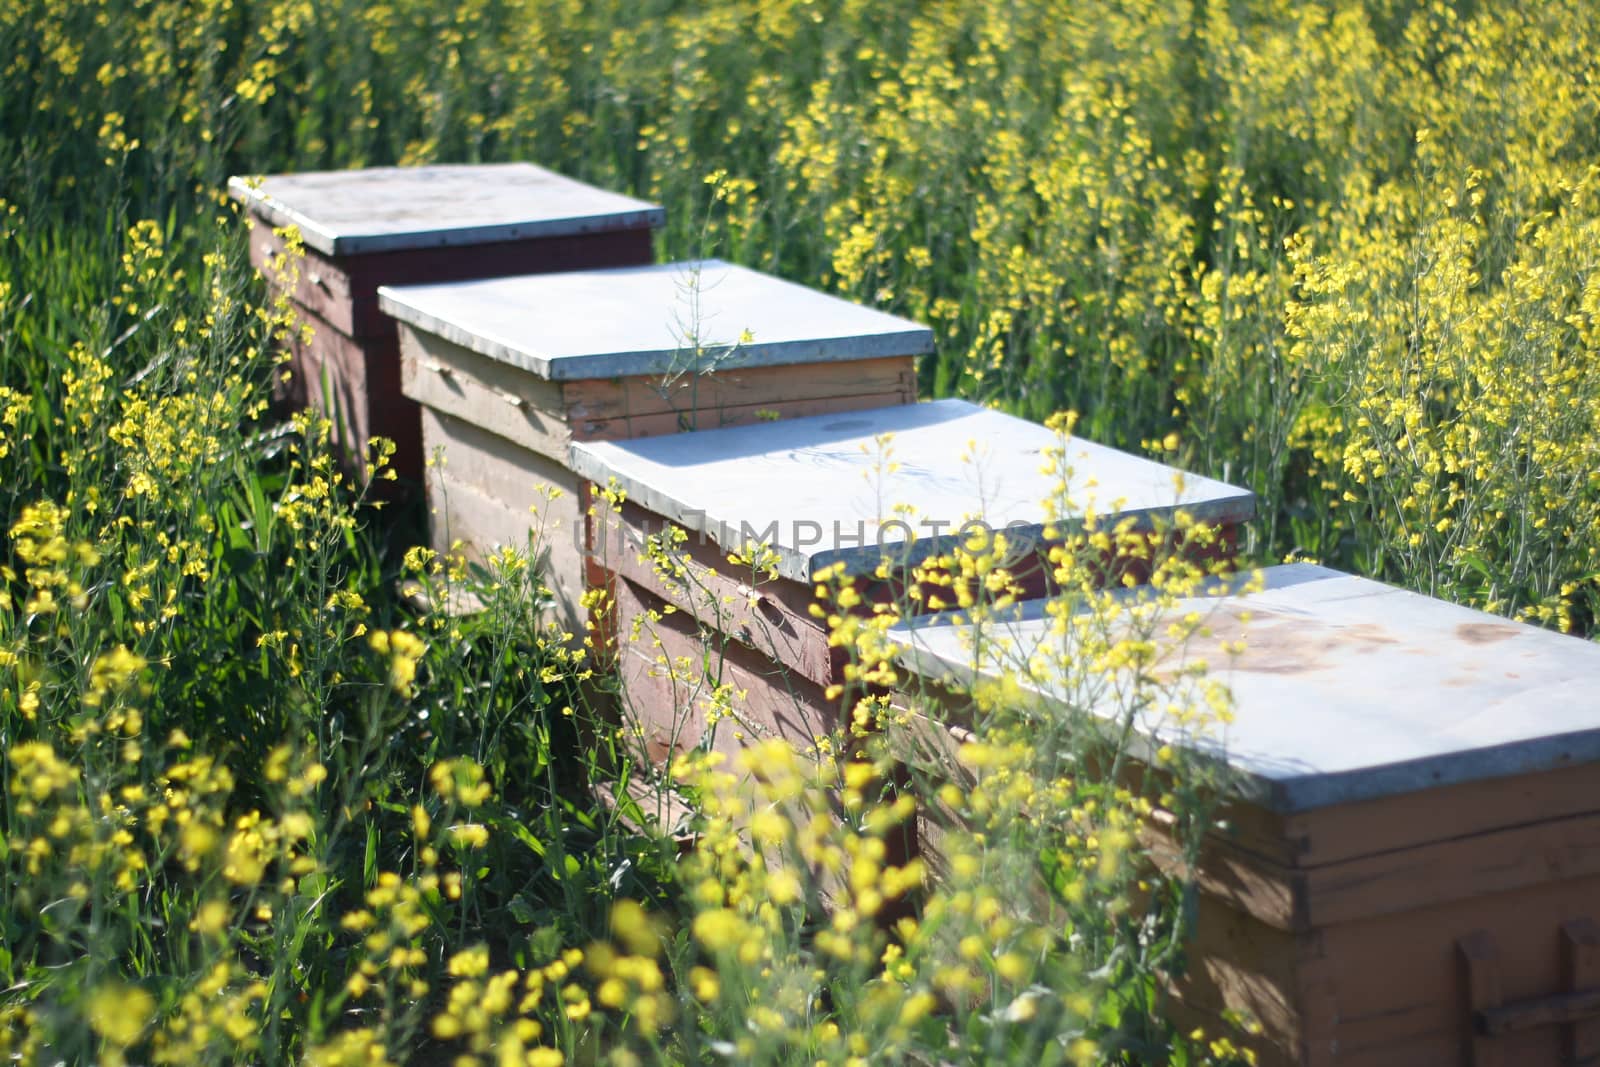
(1345, 251)
(1340, 247)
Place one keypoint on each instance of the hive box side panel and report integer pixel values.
(517, 478)
(600, 400)
(1397, 880)
(1397, 865)
(357, 385)
(546, 416)
(1385, 991)
(667, 422)
(482, 523)
(663, 709)
(1237, 964)
(1432, 875)
(1391, 991)
(514, 405)
(772, 617)
(670, 676)
(1349, 831)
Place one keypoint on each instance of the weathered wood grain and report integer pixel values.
(478, 521)
(595, 400)
(357, 385)
(457, 382)
(1428, 876)
(1347, 831)
(1237, 963)
(1580, 972)
(670, 675)
(668, 422)
(772, 617)
(517, 478)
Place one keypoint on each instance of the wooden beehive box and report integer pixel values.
(401, 226)
(510, 372)
(819, 491)
(1412, 869)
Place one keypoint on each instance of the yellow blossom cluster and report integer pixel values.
(1338, 252)
(958, 855)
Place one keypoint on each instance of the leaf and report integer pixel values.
(1476, 564)
(369, 865)
(545, 942)
(522, 911)
(114, 605)
(526, 836)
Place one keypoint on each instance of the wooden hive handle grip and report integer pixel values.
(1480, 972)
(515, 400)
(766, 607)
(1558, 1010)
(1576, 1010)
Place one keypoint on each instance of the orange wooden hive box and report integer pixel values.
(409, 225)
(511, 372)
(1411, 873)
(819, 492)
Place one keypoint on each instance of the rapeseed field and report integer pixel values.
(258, 804)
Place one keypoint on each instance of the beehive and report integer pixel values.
(820, 492)
(510, 372)
(392, 225)
(1412, 874)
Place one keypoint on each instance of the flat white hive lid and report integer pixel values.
(662, 319)
(386, 209)
(810, 486)
(1348, 689)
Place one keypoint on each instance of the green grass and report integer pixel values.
(1343, 251)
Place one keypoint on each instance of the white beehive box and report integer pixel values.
(820, 491)
(512, 371)
(1413, 870)
(407, 225)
